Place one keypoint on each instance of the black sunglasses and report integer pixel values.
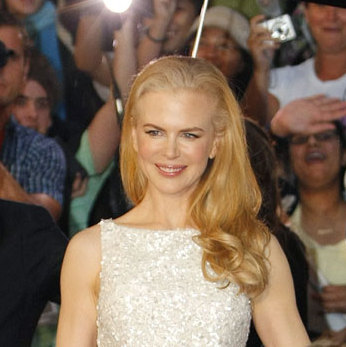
(5, 53)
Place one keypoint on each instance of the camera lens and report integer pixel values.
(280, 30)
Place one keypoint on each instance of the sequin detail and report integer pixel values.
(153, 293)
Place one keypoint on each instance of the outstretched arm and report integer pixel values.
(88, 54)
(258, 103)
(149, 49)
(275, 314)
(125, 53)
(104, 136)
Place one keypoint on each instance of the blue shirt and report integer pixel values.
(36, 162)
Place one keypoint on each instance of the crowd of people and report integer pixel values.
(219, 180)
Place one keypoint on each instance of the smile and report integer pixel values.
(314, 156)
(170, 170)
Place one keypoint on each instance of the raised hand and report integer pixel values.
(261, 44)
(308, 115)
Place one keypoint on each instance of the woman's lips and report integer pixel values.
(170, 170)
(314, 156)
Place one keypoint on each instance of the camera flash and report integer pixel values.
(117, 6)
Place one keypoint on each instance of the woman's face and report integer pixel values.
(23, 8)
(220, 49)
(32, 109)
(317, 159)
(328, 26)
(174, 137)
(179, 26)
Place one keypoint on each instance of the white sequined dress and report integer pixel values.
(153, 293)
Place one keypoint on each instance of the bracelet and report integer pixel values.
(154, 39)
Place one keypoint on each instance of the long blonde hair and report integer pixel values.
(226, 201)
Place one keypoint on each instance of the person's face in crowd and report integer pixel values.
(174, 139)
(12, 75)
(328, 26)
(179, 27)
(317, 159)
(220, 49)
(32, 108)
(23, 8)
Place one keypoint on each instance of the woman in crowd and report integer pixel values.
(223, 43)
(182, 267)
(264, 165)
(318, 162)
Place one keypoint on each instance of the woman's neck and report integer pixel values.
(323, 214)
(158, 211)
(330, 66)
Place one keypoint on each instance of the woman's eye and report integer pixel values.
(21, 101)
(153, 132)
(190, 135)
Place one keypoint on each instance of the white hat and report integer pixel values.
(227, 19)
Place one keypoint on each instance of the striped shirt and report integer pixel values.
(35, 161)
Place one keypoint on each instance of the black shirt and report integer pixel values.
(31, 252)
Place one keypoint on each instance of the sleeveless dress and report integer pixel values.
(153, 293)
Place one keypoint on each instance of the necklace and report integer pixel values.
(325, 231)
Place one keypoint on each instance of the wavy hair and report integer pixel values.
(226, 201)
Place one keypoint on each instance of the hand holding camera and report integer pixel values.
(261, 44)
(266, 36)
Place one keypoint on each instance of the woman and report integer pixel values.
(187, 264)
(318, 162)
(264, 165)
(223, 43)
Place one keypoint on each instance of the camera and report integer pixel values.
(281, 28)
(4, 54)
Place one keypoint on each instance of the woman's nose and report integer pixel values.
(312, 140)
(172, 148)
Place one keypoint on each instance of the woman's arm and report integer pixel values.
(79, 290)
(149, 49)
(88, 54)
(275, 314)
(258, 103)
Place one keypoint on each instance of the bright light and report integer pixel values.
(118, 6)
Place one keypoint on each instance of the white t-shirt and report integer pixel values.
(299, 81)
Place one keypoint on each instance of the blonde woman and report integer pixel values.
(190, 263)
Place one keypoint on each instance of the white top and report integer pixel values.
(330, 260)
(299, 81)
(153, 293)
(329, 264)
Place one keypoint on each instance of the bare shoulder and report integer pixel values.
(85, 248)
(275, 252)
(89, 238)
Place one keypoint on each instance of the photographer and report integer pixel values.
(324, 73)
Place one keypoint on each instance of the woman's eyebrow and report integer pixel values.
(182, 130)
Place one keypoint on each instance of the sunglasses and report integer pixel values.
(5, 54)
(324, 136)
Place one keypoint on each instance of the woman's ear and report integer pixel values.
(214, 147)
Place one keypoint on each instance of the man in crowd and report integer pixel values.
(32, 167)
